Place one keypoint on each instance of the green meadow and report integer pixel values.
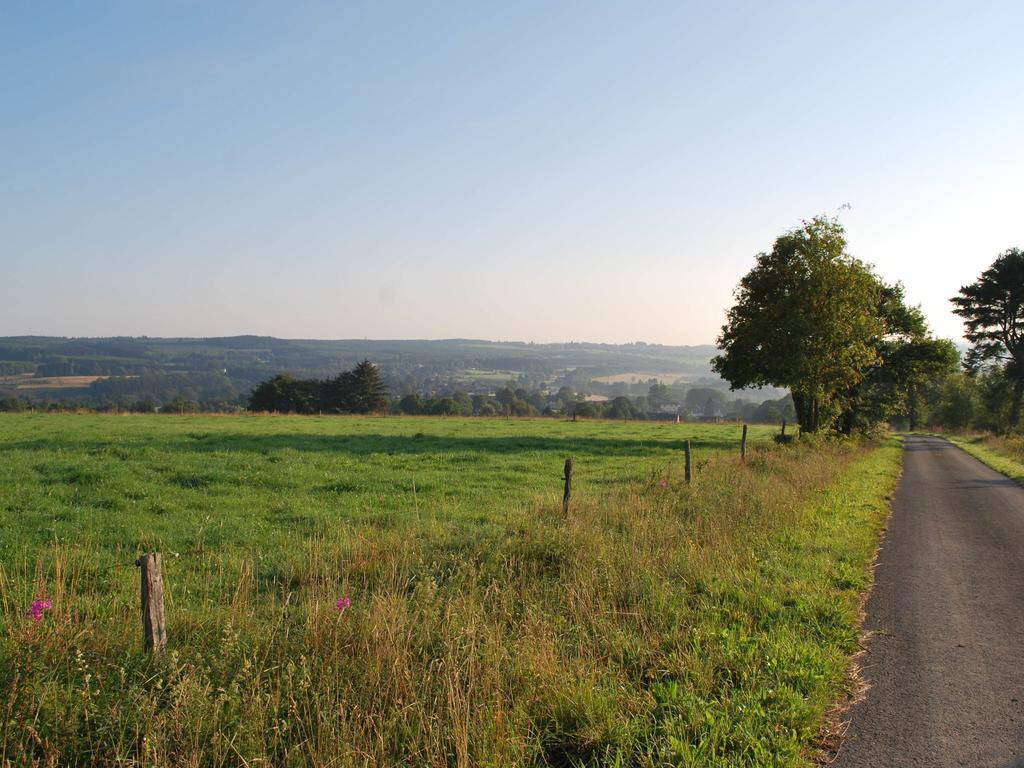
(657, 623)
(256, 486)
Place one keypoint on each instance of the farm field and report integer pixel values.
(655, 624)
(30, 382)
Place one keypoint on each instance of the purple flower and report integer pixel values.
(342, 604)
(38, 608)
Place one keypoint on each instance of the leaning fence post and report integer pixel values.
(154, 634)
(686, 449)
(743, 445)
(568, 486)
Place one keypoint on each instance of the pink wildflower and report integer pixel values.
(343, 603)
(663, 483)
(38, 608)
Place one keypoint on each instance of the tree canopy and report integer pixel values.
(805, 318)
(993, 311)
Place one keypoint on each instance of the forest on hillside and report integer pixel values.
(220, 374)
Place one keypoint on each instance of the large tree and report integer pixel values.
(806, 317)
(993, 311)
(360, 390)
(367, 393)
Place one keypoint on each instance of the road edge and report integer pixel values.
(990, 457)
(855, 687)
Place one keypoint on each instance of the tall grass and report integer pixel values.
(656, 623)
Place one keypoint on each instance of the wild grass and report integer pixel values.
(655, 624)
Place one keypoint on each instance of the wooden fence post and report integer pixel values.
(743, 445)
(154, 634)
(568, 486)
(783, 427)
(686, 449)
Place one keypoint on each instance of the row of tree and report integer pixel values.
(987, 394)
(965, 401)
(360, 390)
(992, 308)
(812, 318)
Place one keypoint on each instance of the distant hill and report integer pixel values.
(225, 369)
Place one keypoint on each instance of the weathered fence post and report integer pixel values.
(743, 445)
(568, 486)
(154, 634)
(783, 427)
(686, 449)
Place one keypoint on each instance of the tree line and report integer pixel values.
(809, 317)
(362, 390)
(985, 393)
(812, 318)
(359, 390)
(988, 394)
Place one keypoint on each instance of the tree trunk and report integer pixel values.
(846, 422)
(806, 407)
(912, 409)
(799, 404)
(1018, 393)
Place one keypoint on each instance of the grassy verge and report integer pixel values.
(1003, 454)
(657, 623)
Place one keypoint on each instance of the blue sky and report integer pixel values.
(538, 171)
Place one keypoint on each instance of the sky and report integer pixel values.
(539, 171)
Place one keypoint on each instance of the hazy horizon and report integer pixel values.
(532, 172)
(356, 338)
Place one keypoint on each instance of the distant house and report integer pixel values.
(596, 399)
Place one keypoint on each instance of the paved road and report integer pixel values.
(946, 668)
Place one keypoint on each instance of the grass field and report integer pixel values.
(656, 624)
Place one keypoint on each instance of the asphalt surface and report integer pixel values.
(946, 667)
